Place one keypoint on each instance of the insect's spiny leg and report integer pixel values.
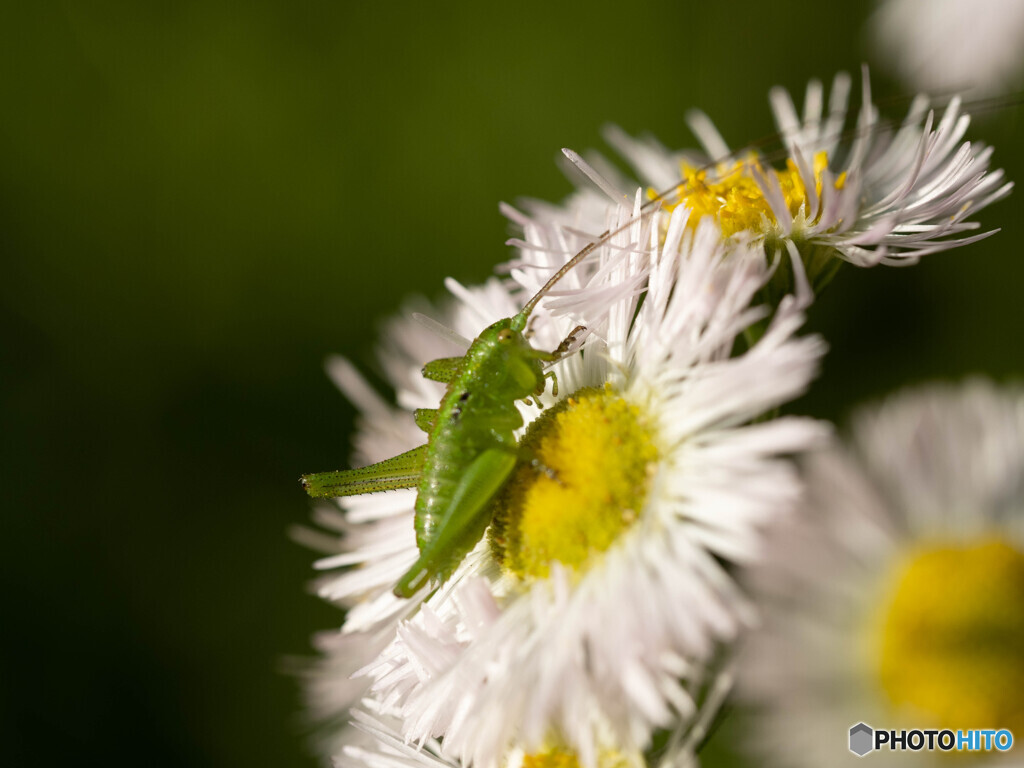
(554, 383)
(560, 351)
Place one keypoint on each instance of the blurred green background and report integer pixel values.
(200, 200)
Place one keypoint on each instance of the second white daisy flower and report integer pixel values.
(871, 193)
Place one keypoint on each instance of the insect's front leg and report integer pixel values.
(554, 384)
(555, 355)
(560, 351)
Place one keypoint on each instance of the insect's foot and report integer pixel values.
(567, 343)
(412, 582)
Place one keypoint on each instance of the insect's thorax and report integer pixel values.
(500, 368)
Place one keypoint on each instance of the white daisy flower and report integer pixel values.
(869, 196)
(897, 599)
(609, 586)
(952, 45)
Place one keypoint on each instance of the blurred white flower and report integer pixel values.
(378, 743)
(897, 598)
(952, 45)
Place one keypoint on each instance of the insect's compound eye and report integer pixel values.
(505, 336)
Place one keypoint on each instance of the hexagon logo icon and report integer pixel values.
(862, 739)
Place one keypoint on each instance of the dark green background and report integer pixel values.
(199, 201)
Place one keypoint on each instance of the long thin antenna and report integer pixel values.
(519, 321)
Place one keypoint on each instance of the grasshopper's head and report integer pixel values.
(506, 354)
(505, 335)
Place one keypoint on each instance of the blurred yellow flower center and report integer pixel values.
(731, 194)
(952, 643)
(560, 757)
(553, 758)
(582, 482)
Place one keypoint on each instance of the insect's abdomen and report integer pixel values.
(468, 423)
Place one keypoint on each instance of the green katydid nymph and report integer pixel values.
(471, 448)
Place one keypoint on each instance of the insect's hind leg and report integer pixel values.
(401, 471)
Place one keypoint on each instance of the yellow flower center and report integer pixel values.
(581, 483)
(563, 757)
(731, 194)
(552, 758)
(952, 639)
